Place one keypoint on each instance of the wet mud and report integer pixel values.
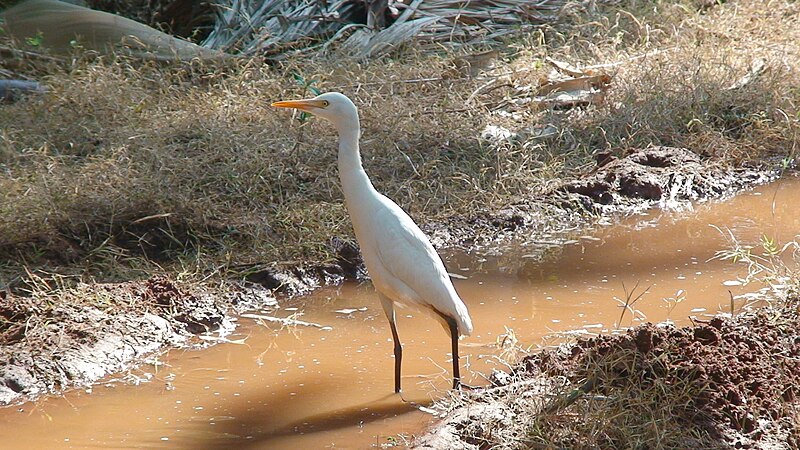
(53, 343)
(74, 342)
(657, 174)
(727, 382)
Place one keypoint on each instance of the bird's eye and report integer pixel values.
(325, 103)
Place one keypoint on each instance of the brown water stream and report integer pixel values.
(307, 387)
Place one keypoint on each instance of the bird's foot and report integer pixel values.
(402, 399)
(467, 387)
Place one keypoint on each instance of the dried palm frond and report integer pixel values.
(276, 26)
(250, 26)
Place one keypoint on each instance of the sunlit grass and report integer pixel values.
(125, 161)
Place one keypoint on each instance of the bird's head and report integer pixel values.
(332, 106)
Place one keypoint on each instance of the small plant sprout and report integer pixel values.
(769, 245)
(35, 41)
(672, 302)
(508, 345)
(629, 301)
(766, 267)
(308, 88)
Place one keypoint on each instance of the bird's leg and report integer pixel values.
(398, 356)
(454, 336)
(388, 308)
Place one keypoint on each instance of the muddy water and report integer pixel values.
(330, 387)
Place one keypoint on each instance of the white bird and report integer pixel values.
(404, 267)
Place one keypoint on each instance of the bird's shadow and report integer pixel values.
(260, 421)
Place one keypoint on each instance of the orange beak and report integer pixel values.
(303, 105)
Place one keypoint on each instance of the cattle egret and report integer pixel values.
(404, 267)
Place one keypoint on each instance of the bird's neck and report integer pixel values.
(355, 183)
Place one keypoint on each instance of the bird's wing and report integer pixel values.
(407, 254)
(413, 266)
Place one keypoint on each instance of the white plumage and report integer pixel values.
(400, 259)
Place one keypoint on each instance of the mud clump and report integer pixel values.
(348, 258)
(723, 383)
(197, 315)
(347, 264)
(741, 371)
(656, 174)
(12, 320)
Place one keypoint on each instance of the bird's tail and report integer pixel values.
(463, 318)
(455, 309)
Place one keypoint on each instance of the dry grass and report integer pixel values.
(125, 161)
(190, 166)
(631, 412)
(672, 69)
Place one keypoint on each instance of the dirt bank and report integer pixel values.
(663, 176)
(57, 339)
(725, 383)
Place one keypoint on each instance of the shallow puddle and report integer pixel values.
(331, 387)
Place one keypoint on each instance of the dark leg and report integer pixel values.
(454, 336)
(398, 357)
